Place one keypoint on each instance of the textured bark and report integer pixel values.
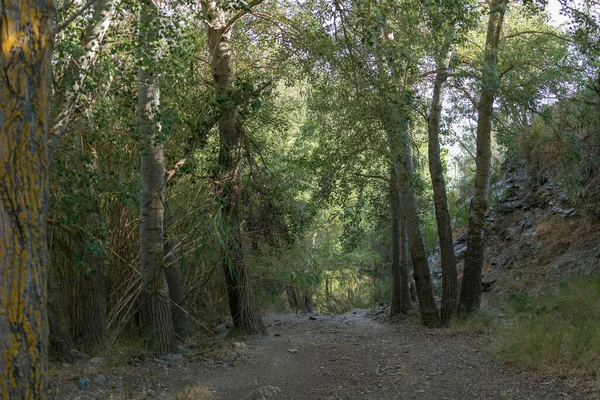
(156, 306)
(402, 162)
(244, 312)
(292, 298)
(93, 291)
(470, 296)
(181, 317)
(308, 304)
(444, 225)
(400, 296)
(80, 67)
(57, 319)
(26, 40)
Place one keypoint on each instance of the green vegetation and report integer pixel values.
(558, 330)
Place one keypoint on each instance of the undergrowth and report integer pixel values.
(556, 331)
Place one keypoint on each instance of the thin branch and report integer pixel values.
(242, 13)
(514, 35)
(74, 16)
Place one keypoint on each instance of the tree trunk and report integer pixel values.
(181, 317)
(57, 319)
(308, 304)
(156, 307)
(405, 264)
(470, 296)
(244, 312)
(26, 40)
(400, 296)
(80, 67)
(93, 293)
(402, 162)
(444, 225)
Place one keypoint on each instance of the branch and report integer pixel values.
(514, 35)
(371, 176)
(74, 16)
(240, 14)
(65, 228)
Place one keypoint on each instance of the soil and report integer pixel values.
(352, 356)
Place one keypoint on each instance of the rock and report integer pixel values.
(293, 351)
(171, 357)
(97, 361)
(79, 356)
(83, 384)
(100, 379)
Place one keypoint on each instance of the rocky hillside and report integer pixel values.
(537, 235)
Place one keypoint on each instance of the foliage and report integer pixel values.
(558, 330)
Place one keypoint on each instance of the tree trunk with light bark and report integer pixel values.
(156, 305)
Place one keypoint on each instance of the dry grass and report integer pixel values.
(194, 393)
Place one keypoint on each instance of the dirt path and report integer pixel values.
(346, 357)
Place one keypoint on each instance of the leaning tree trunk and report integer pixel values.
(181, 317)
(156, 307)
(444, 225)
(244, 312)
(80, 67)
(26, 40)
(470, 296)
(400, 296)
(402, 162)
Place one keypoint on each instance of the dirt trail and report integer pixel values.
(347, 357)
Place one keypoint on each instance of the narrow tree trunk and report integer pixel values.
(470, 296)
(402, 161)
(244, 312)
(26, 40)
(292, 300)
(80, 67)
(93, 293)
(444, 225)
(156, 307)
(400, 296)
(181, 317)
(308, 304)
(57, 319)
(405, 264)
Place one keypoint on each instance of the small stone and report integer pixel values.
(97, 361)
(100, 379)
(293, 351)
(83, 384)
(171, 357)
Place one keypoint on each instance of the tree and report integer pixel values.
(244, 312)
(470, 295)
(156, 306)
(444, 226)
(26, 43)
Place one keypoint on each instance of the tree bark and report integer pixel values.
(156, 307)
(403, 166)
(175, 281)
(80, 67)
(244, 312)
(26, 41)
(93, 292)
(470, 296)
(57, 319)
(436, 170)
(400, 296)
